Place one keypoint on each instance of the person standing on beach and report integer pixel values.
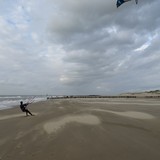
(23, 107)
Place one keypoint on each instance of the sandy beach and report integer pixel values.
(82, 129)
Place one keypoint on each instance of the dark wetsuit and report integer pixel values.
(24, 109)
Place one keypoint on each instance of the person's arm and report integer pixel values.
(26, 104)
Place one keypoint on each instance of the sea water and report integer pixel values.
(10, 101)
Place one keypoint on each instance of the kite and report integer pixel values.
(119, 2)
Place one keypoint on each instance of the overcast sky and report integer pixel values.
(70, 47)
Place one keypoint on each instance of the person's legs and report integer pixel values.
(27, 111)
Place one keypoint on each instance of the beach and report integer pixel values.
(82, 129)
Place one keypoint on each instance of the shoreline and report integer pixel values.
(99, 96)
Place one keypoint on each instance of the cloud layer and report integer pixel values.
(78, 47)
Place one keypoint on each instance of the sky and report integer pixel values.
(79, 47)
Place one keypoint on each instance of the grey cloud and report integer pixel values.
(80, 47)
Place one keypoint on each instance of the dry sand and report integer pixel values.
(82, 129)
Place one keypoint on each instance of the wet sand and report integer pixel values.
(88, 129)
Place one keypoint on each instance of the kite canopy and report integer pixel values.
(119, 2)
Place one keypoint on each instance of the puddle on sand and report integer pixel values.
(131, 114)
(54, 126)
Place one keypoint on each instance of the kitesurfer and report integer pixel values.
(23, 107)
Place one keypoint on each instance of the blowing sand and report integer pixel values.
(54, 126)
(131, 114)
(13, 116)
(82, 129)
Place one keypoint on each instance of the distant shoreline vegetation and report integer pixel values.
(155, 91)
